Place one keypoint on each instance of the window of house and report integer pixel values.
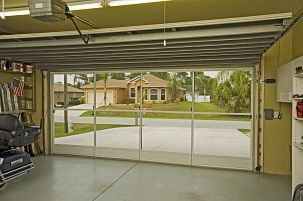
(132, 93)
(145, 94)
(163, 94)
(153, 94)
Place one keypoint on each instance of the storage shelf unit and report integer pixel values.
(297, 127)
(27, 75)
(15, 72)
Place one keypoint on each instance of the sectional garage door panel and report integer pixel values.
(100, 98)
(232, 42)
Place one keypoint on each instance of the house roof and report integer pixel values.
(110, 83)
(59, 87)
(150, 80)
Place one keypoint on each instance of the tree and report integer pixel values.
(118, 76)
(174, 88)
(184, 78)
(80, 80)
(203, 83)
(104, 77)
(162, 75)
(232, 89)
(133, 75)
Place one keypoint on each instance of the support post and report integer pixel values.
(65, 105)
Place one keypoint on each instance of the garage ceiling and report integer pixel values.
(152, 13)
(227, 42)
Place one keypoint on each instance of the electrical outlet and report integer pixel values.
(277, 115)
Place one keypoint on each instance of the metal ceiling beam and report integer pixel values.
(158, 53)
(225, 21)
(133, 50)
(250, 37)
(135, 59)
(158, 61)
(137, 56)
(236, 41)
(230, 31)
(183, 65)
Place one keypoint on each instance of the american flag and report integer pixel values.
(18, 87)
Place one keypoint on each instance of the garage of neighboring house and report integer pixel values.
(72, 93)
(115, 92)
(201, 100)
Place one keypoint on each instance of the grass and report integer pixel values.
(245, 131)
(174, 107)
(83, 128)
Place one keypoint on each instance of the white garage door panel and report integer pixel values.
(100, 98)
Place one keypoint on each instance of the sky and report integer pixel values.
(211, 74)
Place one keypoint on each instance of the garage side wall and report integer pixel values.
(37, 115)
(277, 133)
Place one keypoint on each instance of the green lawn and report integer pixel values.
(245, 131)
(83, 128)
(177, 107)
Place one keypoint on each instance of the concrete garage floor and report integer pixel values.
(208, 141)
(57, 178)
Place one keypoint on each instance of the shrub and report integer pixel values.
(82, 100)
(128, 101)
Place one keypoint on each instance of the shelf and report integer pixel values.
(13, 112)
(15, 72)
(298, 119)
(26, 98)
(298, 145)
(28, 87)
(298, 99)
(299, 75)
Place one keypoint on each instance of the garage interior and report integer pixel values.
(103, 137)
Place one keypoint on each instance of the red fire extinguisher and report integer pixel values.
(299, 109)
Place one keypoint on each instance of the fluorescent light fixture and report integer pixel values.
(84, 6)
(132, 2)
(8, 13)
(2, 15)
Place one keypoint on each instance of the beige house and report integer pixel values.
(155, 90)
(72, 93)
(116, 92)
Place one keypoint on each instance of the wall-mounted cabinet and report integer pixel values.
(284, 83)
(17, 87)
(297, 124)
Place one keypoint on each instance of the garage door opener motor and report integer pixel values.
(57, 11)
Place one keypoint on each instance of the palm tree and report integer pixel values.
(104, 77)
(232, 89)
(174, 88)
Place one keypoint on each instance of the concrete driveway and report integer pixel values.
(76, 110)
(208, 141)
(159, 122)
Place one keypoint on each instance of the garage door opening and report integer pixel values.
(195, 117)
